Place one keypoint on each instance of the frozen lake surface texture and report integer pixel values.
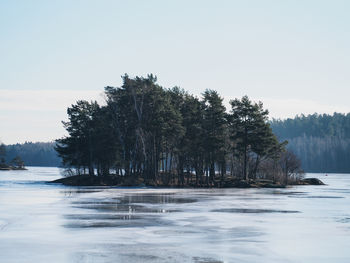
(52, 223)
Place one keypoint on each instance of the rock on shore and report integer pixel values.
(87, 180)
(310, 181)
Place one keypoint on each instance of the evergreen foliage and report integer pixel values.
(252, 133)
(2, 154)
(17, 162)
(168, 136)
(34, 154)
(322, 142)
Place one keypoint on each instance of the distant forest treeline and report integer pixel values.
(34, 154)
(322, 142)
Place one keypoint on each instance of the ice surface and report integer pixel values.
(41, 222)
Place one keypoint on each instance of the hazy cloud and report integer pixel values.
(36, 115)
(48, 100)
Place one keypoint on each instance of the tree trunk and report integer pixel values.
(212, 172)
(257, 162)
(91, 170)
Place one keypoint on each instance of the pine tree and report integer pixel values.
(214, 124)
(251, 132)
(77, 149)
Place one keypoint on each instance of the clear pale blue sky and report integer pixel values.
(292, 55)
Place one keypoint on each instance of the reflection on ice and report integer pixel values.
(321, 196)
(345, 220)
(116, 207)
(205, 260)
(252, 210)
(290, 193)
(138, 210)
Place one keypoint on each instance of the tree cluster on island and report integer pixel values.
(168, 137)
(15, 164)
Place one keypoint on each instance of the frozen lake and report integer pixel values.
(52, 223)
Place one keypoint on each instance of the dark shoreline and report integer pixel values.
(12, 169)
(87, 180)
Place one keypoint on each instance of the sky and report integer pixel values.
(294, 56)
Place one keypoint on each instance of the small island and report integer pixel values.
(147, 135)
(15, 164)
(228, 182)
